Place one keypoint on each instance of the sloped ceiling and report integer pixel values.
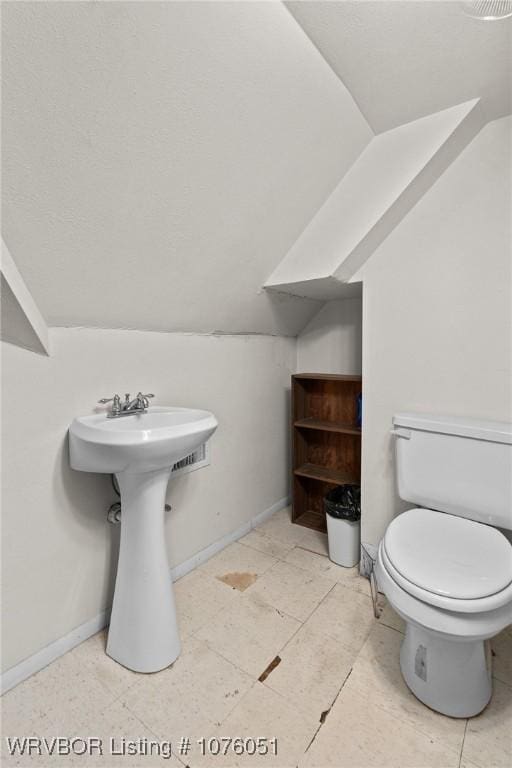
(388, 178)
(159, 159)
(404, 60)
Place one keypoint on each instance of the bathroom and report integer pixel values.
(203, 202)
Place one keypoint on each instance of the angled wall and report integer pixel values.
(437, 323)
(21, 322)
(384, 183)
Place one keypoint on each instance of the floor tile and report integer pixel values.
(235, 562)
(15, 753)
(266, 544)
(70, 716)
(346, 616)
(357, 734)
(314, 541)
(312, 670)
(502, 656)
(249, 634)
(389, 618)
(54, 699)
(281, 528)
(320, 565)
(263, 713)
(230, 637)
(376, 675)
(291, 590)
(107, 672)
(199, 599)
(23, 706)
(488, 740)
(14, 760)
(189, 698)
(116, 726)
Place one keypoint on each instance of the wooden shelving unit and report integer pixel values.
(326, 441)
(327, 426)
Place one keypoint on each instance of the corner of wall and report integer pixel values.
(22, 324)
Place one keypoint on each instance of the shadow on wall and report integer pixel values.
(291, 313)
(332, 340)
(288, 433)
(82, 500)
(400, 504)
(389, 464)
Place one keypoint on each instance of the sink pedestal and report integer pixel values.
(143, 633)
(140, 449)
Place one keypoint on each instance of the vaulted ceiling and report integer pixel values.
(161, 158)
(404, 59)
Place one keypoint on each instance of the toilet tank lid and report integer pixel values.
(493, 431)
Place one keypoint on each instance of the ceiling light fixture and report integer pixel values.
(488, 10)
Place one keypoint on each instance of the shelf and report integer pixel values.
(324, 474)
(328, 426)
(312, 519)
(327, 376)
(326, 441)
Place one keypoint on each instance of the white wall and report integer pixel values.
(331, 342)
(21, 322)
(59, 553)
(171, 150)
(382, 185)
(437, 313)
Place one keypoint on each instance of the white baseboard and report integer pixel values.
(205, 554)
(45, 656)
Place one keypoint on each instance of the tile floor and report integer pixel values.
(336, 697)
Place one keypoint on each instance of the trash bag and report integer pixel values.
(344, 502)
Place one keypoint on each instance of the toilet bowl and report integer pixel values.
(446, 570)
(450, 605)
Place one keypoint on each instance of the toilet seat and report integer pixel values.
(448, 562)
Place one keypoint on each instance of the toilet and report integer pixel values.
(444, 566)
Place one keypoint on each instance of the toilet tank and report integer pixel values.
(456, 465)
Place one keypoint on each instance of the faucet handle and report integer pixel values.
(144, 399)
(105, 400)
(116, 402)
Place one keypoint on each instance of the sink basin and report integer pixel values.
(141, 449)
(141, 442)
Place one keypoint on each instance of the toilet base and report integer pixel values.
(450, 676)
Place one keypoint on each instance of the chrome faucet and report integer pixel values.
(139, 404)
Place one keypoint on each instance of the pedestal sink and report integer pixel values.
(140, 449)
